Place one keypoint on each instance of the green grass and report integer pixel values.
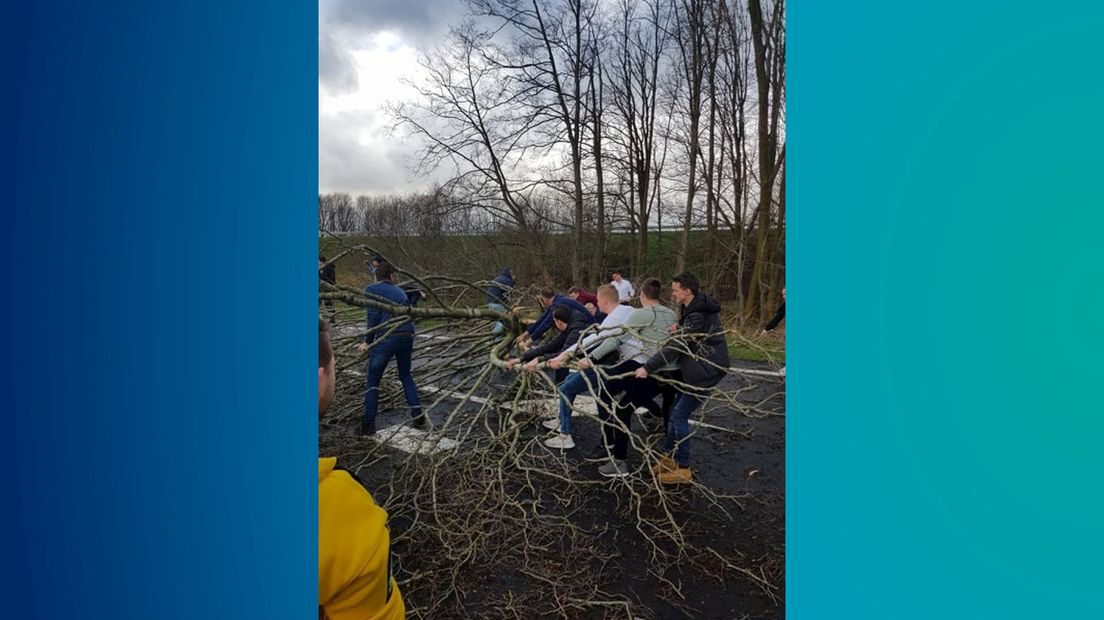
(773, 350)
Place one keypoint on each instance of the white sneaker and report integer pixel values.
(561, 441)
(552, 425)
(641, 411)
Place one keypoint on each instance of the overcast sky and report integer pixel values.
(364, 49)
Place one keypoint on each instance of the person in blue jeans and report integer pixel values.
(387, 339)
(700, 350)
(585, 380)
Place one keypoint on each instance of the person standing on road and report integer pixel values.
(624, 288)
(778, 316)
(354, 544)
(397, 341)
(498, 294)
(327, 272)
(700, 350)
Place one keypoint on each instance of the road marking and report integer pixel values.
(414, 441)
(753, 371)
(457, 395)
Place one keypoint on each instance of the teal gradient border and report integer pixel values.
(944, 421)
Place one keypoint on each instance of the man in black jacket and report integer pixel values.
(701, 352)
(569, 323)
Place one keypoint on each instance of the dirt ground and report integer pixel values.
(745, 460)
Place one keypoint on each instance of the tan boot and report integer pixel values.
(677, 475)
(665, 464)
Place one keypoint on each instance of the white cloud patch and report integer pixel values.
(365, 51)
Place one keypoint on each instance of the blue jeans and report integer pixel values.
(498, 327)
(400, 348)
(678, 427)
(576, 383)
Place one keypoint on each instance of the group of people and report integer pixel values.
(595, 343)
(626, 357)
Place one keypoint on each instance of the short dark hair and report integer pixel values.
(688, 280)
(325, 351)
(617, 272)
(573, 290)
(651, 288)
(562, 313)
(321, 258)
(547, 292)
(384, 271)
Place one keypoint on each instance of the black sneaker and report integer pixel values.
(367, 428)
(598, 455)
(418, 421)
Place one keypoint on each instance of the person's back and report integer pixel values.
(388, 292)
(354, 551)
(500, 288)
(387, 342)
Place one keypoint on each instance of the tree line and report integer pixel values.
(584, 117)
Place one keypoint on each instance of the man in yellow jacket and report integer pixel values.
(354, 545)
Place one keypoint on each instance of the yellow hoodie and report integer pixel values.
(354, 551)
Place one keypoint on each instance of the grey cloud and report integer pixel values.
(336, 67)
(379, 167)
(422, 22)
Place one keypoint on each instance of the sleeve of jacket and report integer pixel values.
(536, 330)
(778, 316)
(372, 319)
(555, 345)
(356, 584)
(665, 357)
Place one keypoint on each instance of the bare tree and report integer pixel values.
(768, 38)
(641, 41)
(470, 115)
(690, 35)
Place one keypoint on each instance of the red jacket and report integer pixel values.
(586, 297)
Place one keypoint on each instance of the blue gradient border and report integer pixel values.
(944, 333)
(159, 233)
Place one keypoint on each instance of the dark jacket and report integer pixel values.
(778, 316)
(700, 332)
(576, 324)
(536, 330)
(499, 290)
(328, 273)
(386, 292)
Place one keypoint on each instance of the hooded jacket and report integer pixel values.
(500, 287)
(354, 551)
(576, 324)
(702, 334)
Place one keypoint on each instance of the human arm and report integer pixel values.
(778, 316)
